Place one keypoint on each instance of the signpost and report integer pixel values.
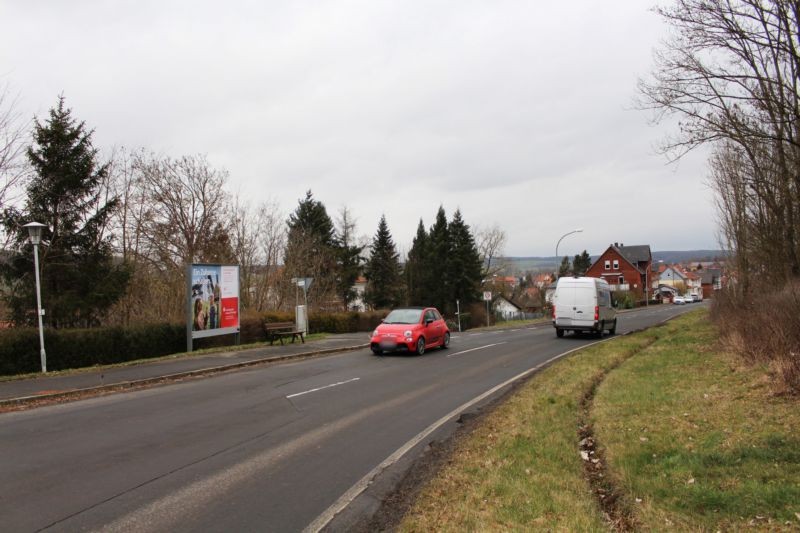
(487, 297)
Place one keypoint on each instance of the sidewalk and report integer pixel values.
(87, 382)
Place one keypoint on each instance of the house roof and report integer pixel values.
(635, 254)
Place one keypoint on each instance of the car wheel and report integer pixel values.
(377, 351)
(613, 329)
(446, 341)
(559, 333)
(421, 346)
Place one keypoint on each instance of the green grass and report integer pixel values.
(692, 441)
(702, 442)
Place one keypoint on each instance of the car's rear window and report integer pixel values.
(403, 316)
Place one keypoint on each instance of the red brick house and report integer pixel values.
(625, 268)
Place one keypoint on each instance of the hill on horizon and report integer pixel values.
(518, 265)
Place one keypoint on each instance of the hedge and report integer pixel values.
(78, 348)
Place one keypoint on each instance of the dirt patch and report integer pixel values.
(611, 499)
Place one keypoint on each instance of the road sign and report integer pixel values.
(487, 296)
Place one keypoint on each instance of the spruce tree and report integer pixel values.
(79, 278)
(439, 290)
(311, 249)
(416, 273)
(465, 263)
(383, 270)
(581, 263)
(565, 268)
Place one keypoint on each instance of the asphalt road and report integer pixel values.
(277, 448)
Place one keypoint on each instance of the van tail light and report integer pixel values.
(554, 311)
(596, 313)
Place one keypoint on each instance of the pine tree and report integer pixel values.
(566, 268)
(415, 271)
(581, 263)
(79, 277)
(439, 291)
(383, 270)
(348, 258)
(465, 263)
(311, 250)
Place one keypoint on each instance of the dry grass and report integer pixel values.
(764, 327)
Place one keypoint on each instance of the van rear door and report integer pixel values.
(585, 302)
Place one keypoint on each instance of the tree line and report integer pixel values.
(121, 232)
(730, 73)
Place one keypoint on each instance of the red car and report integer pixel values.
(411, 328)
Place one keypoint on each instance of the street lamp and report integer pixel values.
(35, 235)
(579, 230)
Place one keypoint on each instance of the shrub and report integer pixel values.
(763, 327)
(78, 348)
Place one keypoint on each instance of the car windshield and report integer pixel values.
(403, 316)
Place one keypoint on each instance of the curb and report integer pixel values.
(22, 401)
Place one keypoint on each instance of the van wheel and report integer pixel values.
(613, 329)
(559, 333)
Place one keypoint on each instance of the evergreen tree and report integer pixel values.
(383, 270)
(348, 258)
(581, 263)
(465, 263)
(79, 278)
(439, 291)
(416, 273)
(311, 250)
(565, 269)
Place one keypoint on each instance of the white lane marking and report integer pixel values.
(478, 348)
(321, 388)
(360, 486)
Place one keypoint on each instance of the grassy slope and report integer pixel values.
(693, 443)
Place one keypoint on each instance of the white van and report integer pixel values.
(583, 304)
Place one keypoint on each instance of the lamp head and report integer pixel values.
(35, 231)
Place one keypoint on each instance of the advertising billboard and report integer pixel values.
(213, 300)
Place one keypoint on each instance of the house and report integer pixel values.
(542, 280)
(357, 303)
(506, 309)
(625, 268)
(710, 281)
(672, 275)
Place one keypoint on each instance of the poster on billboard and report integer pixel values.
(213, 300)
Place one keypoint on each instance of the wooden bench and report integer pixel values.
(279, 330)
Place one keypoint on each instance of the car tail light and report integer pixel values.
(596, 313)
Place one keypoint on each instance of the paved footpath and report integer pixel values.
(86, 381)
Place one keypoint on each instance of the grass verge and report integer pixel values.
(689, 442)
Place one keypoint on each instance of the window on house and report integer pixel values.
(621, 280)
(616, 264)
(608, 264)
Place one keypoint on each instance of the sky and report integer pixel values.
(521, 114)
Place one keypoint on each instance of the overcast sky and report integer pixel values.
(519, 113)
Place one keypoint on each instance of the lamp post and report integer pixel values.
(35, 235)
(559, 242)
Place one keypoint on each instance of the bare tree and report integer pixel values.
(491, 241)
(12, 147)
(730, 73)
(174, 212)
